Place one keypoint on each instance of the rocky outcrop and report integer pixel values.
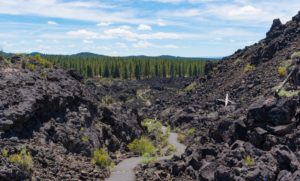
(60, 121)
(255, 139)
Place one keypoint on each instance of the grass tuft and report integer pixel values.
(295, 55)
(101, 158)
(249, 68)
(4, 153)
(142, 146)
(249, 161)
(22, 159)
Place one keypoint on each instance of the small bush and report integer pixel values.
(281, 71)
(43, 62)
(295, 55)
(142, 146)
(152, 125)
(44, 74)
(181, 137)
(85, 138)
(147, 158)
(22, 159)
(249, 161)
(238, 61)
(190, 132)
(164, 140)
(212, 115)
(31, 66)
(248, 68)
(6, 62)
(4, 152)
(101, 158)
(107, 100)
(190, 87)
(285, 93)
(171, 149)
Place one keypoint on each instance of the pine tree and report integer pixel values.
(195, 71)
(137, 72)
(164, 71)
(106, 71)
(156, 70)
(116, 73)
(125, 76)
(190, 71)
(172, 70)
(89, 71)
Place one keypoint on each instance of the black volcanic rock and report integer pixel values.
(297, 17)
(258, 137)
(60, 121)
(276, 29)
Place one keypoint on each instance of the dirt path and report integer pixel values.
(124, 171)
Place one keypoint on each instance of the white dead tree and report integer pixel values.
(226, 100)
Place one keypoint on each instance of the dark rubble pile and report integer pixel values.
(268, 137)
(59, 120)
(256, 139)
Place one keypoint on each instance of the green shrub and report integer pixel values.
(281, 71)
(212, 115)
(238, 61)
(164, 140)
(152, 125)
(248, 68)
(249, 161)
(107, 100)
(101, 158)
(295, 55)
(44, 74)
(171, 149)
(181, 137)
(190, 132)
(190, 87)
(31, 66)
(43, 62)
(285, 93)
(22, 159)
(85, 138)
(4, 152)
(6, 62)
(147, 158)
(142, 146)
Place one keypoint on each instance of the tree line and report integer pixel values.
(136, 67)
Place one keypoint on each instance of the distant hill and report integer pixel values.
(89, 54)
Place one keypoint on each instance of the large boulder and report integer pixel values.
(271, 111)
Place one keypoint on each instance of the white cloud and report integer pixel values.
(88, 41)
(143, 27)
(181, 1)
(120, 33)
(239, 11)
(52, 23)
(142, 44)
(121, 45)
(130, 35)
(104, 24)
(83, 33)
(167, 1)
(170, 46)
(236, 12)
(104, 48)
(89, 10)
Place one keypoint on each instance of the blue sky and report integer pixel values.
(193, 28)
